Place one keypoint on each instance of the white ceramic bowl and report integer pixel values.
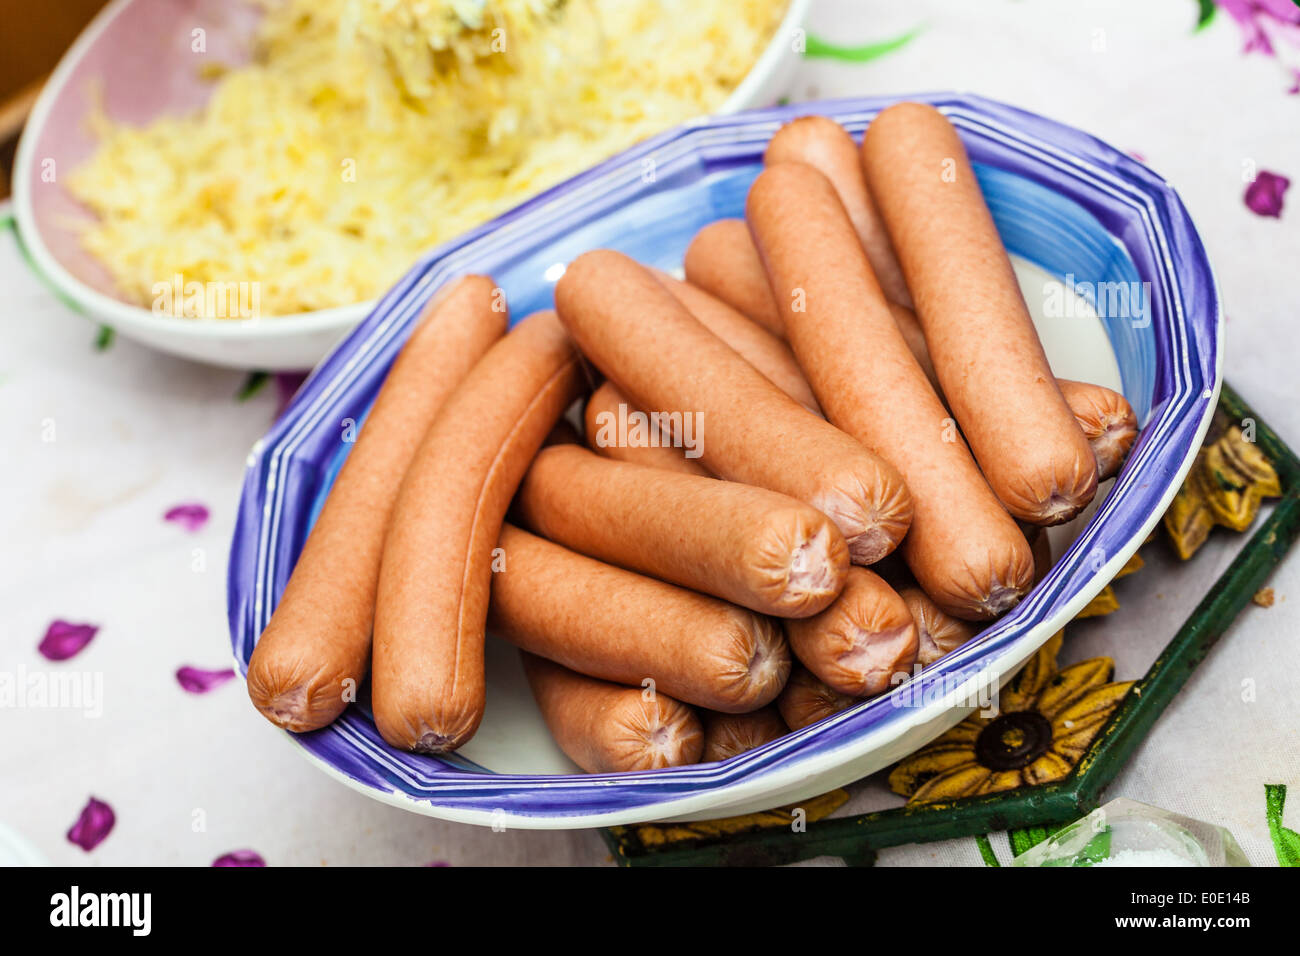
(138, 51)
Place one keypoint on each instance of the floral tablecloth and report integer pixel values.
(123, 469)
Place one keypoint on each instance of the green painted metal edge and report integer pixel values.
(856, 839)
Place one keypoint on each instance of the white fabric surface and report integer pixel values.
(137, 432)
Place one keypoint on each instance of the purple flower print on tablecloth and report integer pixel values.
(1264, 197)
(1271, 28)
(63, 640)
(287, 385)
(240, 858)
(196, 680)
(191, 517)
(94, 824)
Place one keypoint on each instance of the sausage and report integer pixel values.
(963, 548)
(611, 423)
(733, 248)
(910, 329)
(662, 358)
(753, 547)
(624, 627)
(1041, 545)
(806, 700)
(1105, 416)
(727, 735)
(857, 645)
(990, 362)
(315, 651)
(427, 689)
(825, 145)
(1108, 441)
(937, 633)
(722, 261)
(757, 346)
(605, 728)
(1108, 421)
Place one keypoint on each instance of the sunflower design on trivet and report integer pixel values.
(1106, 600)
(1229, 480)
(1045, 723)
(1226, 486)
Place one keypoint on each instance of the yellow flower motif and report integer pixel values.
(654, 835)
(1106, 600)
(1046, 721)
(1227, 483)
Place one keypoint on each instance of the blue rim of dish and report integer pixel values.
(287, 467)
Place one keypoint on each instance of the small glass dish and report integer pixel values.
(1124, 832)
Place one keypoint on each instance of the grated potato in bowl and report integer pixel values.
(364, 132)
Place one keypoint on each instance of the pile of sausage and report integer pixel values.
(847, 378)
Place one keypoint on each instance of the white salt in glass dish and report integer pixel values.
(1127, 833)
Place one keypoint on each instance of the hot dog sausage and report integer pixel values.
(937, 633)
(317, 646)
(857, 644)
(757, 346)
(730, 246)
(605, 728)
(733, 248)
(807, 700)
(427, 688)
(614, 430)
(621, 626)
(753, 547)
(662, 358)
(963, 548)
(1110, 442)
(990, 362)
(726, 735)
(980, 337)
(722, 261)
(1105, 416)
(1041, 545)
(1108, 421)
(826, 146)
(910, 329)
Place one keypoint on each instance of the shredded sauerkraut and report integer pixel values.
(365, 132)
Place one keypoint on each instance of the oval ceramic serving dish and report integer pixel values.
(1066, 205)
